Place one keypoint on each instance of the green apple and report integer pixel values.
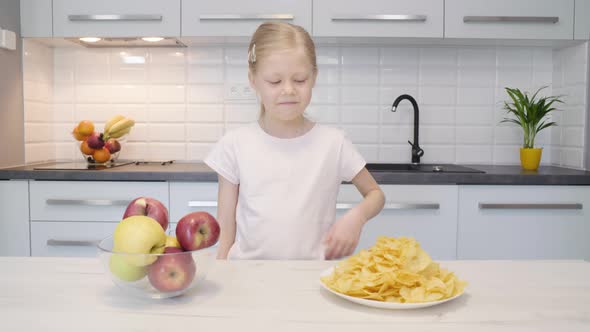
(171, 241)
(139, 235)
(125, 271)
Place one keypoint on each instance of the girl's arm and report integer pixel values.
(343, 236)
(227, 200)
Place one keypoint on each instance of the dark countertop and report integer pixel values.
(199, 172)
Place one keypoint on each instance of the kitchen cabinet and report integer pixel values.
(68, 218)
(378, 18)
(186, 197)
(582, 20)
(509, 19)
(36, 18)
(113, 18)
(240, 18)
(14, 218)
(426, 212)
(524, 222)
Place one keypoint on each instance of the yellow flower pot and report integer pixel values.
(530, 158)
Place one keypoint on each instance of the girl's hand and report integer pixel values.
(343, 236)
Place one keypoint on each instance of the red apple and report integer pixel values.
(197, 230)
(173, 271)
(147, 206)
(95, 141)
(113, 145)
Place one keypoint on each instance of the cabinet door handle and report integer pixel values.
(202, 204)
(535, 206)
(115, 17)
(72, 243)
(396, 206)
(397, 18)
(514, 19)
(93, 202)
(246, 17)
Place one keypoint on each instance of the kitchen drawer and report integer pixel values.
(68, 238)
(426, 213)
(524, 222)
(186, 197)
(240, 18)
(509, 19)
(88, 200)
(113, 18)
(582, 21)
(378, 18)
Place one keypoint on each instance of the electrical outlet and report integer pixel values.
(239, 91)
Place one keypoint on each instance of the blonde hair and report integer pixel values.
(277, 36)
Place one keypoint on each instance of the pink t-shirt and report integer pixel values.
(287, 188)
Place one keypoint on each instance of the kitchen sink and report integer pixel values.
(421, 168)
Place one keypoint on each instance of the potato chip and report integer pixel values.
(394, 270)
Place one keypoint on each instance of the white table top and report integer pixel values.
(74, 294)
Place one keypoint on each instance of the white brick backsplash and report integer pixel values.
(359, 56)
(166, 132)
(399, 75)
(204, 132)
(360, 114)
(166, 151)
(166, 113)
(360, 75)
(475, 96)
(167, 94)
(362, 134)
(438, 95)
(399, 56)
(473, 154)
(323, 114)
(171, 74)
(206, 94)
(177, 96)
(199, 151)
(474, 135)
(204, 113)
(242, 113)
(205, 74)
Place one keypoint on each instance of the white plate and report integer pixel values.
(382, 304)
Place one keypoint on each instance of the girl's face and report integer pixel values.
(284, 80)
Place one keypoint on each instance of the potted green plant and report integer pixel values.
(531, 114)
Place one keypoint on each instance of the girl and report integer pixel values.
(279, 176)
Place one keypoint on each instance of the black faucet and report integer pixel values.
(417, 152)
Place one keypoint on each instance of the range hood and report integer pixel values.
(128, 42)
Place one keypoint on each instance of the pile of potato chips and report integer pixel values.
(394, 270)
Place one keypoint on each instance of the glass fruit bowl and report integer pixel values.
(156, 276)
(107, 154)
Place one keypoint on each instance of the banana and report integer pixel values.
(111, 122)
(120, 133)
(121, 125)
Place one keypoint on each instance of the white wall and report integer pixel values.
(177, 97)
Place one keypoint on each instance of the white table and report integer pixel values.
(73, 294)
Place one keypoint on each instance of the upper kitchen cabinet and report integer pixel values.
(509, 19)
(240, 18)
(35, 18)
(378, 18)
(115, 18)
(582, 27)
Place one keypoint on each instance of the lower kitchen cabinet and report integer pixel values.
(186, 197)
(68, 238)
(524, 222)
(14, 218)
(427, 213)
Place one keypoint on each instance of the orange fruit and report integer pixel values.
(85, 127)
(86, 149)
(101, 155)
(77, 135)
